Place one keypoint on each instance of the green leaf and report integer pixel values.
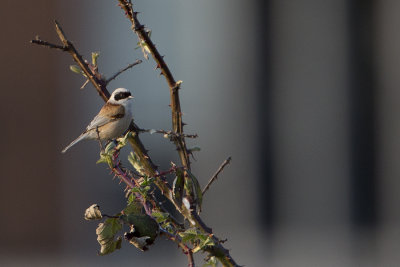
(105, 158)
(206, 243)
(134, 160)
(145, 49)
(193, 188)
(189, 187)
(95, 56)
(194, 236)
(147, 181)
(93, 213)
(110, 246)
(109, 227)
(134, 206)
(106, 232)
(190, 235)
(124, 140)
(163, 219)
(212, 261)
(141, 190)
(160, 216)
(197, 190)
(109, 148)
(194, 149)
(178, 186)
(76, 69)
(143, 224)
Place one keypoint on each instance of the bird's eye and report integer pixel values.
(122, 95)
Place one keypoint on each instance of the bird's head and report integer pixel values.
(120, 96)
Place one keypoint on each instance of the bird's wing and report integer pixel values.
(108, 113)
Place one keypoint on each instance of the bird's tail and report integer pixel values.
(80, 138)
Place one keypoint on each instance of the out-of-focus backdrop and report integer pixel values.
(304, 95)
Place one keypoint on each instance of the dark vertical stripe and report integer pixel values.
(264, 142)
(363, 91)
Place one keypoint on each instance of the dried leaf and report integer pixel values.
(106, 232)
(93, 213)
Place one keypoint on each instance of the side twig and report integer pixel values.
(167, 133)
(186, 250)
(38, 41)
(122, 70)
(215, 176)
(90, 72)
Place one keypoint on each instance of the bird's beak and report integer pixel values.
(130, 97)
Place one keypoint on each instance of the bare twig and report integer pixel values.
(189, 254)
(122, 70)
(215, 176)
(47, 44)
(90, 72)
(168, 133)
(84, 84)
(185, 248)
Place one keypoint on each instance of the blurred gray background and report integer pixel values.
(304, 95)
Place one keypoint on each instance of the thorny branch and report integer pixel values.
(128, 179)
(186, 250)
(38, 41)
(218, 250)
(150, 169)
(177, 124)
(95, 77)
(122, 70)
(167, 133)
(215, 176)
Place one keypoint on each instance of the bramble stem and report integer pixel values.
(122, 70)
(174, 86)
(215, 176)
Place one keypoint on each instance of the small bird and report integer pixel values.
(112, 121)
